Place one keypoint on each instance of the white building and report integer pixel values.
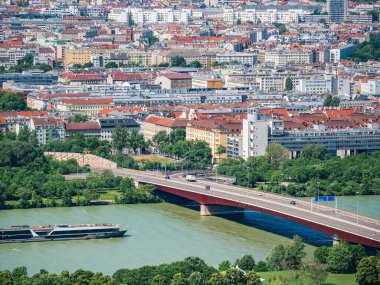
(341, 52)
(255, 134)
(142, 16)
(243, 58)
(314, 86)
(264, 16)
(284, 57)
(371, 87)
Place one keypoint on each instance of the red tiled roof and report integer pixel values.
(14, 114)
(95, 101)
(120, 76)
(2, 120)
(223, 126)
(166, 122)
(82, 126)
(47, 122)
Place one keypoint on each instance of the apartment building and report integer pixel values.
(243, 58)
(86, 106)
(214, 133)
(153, 124)
(285, 57)
(341, 52)
(47, 129)
(174, 81)
(314, 86)
(341, 135)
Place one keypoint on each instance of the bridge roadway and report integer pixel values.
(344, 225)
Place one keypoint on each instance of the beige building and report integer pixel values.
(284, 57)
(153, 124)
(86, 105)
(214, 133)
(189, 55)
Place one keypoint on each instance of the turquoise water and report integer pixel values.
(158, 233)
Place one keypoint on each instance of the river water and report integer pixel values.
(158, 233)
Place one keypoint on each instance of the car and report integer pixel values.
(292, 202)
(259, 194)
(191, 178)
(167, 177)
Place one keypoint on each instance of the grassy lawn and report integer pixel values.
(109, 195)
(332, 279)
(153, 158)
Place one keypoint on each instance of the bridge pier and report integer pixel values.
(210, 210)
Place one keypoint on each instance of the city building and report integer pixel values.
(48, 129)
(174, 81)
(153, 124)
(337, 10)
(214, 133)
(86, 106)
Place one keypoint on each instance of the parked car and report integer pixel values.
(292, 202)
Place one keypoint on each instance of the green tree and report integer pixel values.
(294, 253)
(196, 278)
(195, 64)
(77, 66)
(78, 118)
(316, 271)
(217, 279)
(178, 61)
(288, 84)
(238, 22)
(253, 278)
(245, 263)
(164, 64)
(340, 258)
(224, 265)
(111, 64)
(314, 151)
(43, 66)
(375, 15)
(321, 253)
(331, 101)
(275, 260)
(120, 136)
(368, 271)
(159, 280)
(179, 279)
(10, 101)
(281, 28)
(276, 154)
(88, 65)
(235, 276)
(135, 141)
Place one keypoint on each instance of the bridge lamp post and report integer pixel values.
(357, 207)
(318, 194)
(282, 175)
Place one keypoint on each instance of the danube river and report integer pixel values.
(158, 233)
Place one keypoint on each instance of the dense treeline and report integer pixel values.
(10, 101)
(340, 258)
(368, 50)
(29, 179)
(189, 154)
(314, 170)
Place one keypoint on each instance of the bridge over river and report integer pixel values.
(219, 198)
